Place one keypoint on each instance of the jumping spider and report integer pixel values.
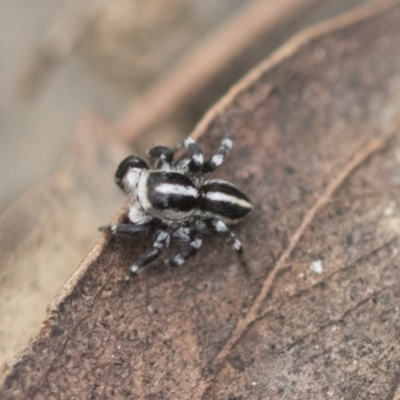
(172, 200)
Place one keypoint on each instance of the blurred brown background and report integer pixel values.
(119, 50)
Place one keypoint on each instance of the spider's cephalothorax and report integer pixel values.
(172, 200)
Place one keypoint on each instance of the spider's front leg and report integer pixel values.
(164, 156)
(197, 159)
(219, 157)
(126, 229)
(161, 243)
(140, 223)
(195, 154)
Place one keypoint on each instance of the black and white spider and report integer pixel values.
(172, 200)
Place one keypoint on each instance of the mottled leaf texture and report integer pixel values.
(317, 149)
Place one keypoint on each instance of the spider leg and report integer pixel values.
(220, 227)
(195, 154)
(125, 229)
(163, 154)
(161, 243)
(189, 251)
(219, 157)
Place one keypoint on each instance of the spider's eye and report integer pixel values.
(129, 162)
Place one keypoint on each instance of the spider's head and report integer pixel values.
(128, 172)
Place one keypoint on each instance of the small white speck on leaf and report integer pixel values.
(317, 267)
(389, 209)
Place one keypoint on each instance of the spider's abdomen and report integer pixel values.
(169, 195)
(224, 200)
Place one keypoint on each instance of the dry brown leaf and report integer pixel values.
(318, 317)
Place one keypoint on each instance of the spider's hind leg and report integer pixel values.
(220, 227)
